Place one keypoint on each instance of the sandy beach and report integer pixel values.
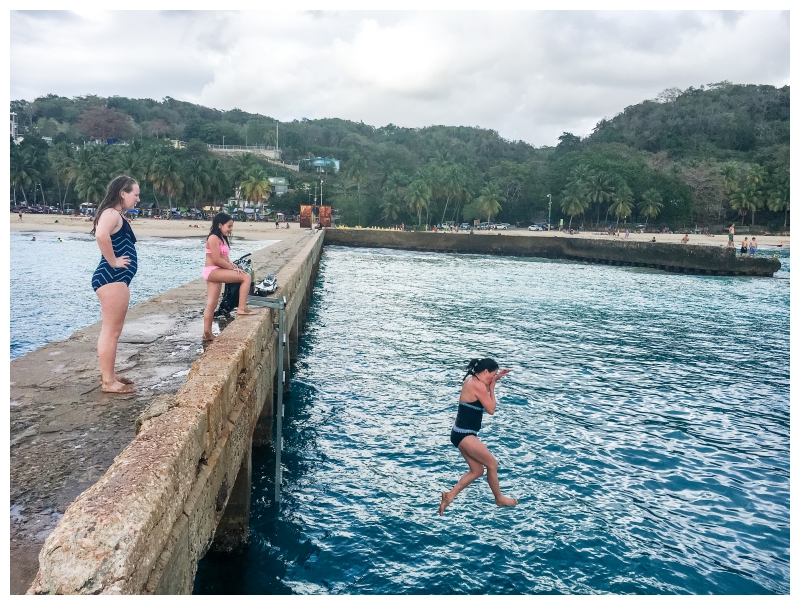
(147, 227)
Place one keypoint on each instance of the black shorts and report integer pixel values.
(456, 437)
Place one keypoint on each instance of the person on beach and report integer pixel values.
(477, 395)
(685, 239)
(731, 231)
(112, 278)
(743, 250)
(753, 246)
(220, 270)
(20, 215)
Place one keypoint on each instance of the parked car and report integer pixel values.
(464, 226)
(535, 227)
(503, 226)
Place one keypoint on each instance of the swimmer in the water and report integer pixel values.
(477, 395)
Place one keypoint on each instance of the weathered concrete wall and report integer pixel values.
(670, 257)
(142, 528)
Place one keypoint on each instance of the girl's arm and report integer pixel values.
(484, 395)
(213, 243)
(107, 223)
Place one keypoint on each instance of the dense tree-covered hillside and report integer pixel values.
(700, 156)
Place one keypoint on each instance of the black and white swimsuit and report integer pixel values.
(468, 421)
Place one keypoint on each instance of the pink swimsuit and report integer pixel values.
(223, 249)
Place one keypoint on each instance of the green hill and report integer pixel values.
(690, 157)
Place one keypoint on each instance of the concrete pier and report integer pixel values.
(130, 491)
(692, 259)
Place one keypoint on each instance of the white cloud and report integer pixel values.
(529, 75)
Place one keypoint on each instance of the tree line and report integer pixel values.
(703, 156)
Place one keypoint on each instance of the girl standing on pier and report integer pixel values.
(477, 395)
(112, 278)
(220, 270)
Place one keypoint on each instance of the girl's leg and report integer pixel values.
(474, 450)
(114, 299)
(475, 471)
(229, 276)
(244, 290)
(212, 296)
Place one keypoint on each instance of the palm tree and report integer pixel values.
(241, 164)
(600, 189)
(581, 172)
(418, 198)
(91, 181)
(129, 160)
(574, 200)
(745, 200)
(755, 180)
(256, 185)
(453, 184)
(22, 171)
(730, 177)
(391, 207)
(778, 198)
(61, 160)
(196, 180)
(219, 183)
(489, 200)
(166, 175)
(90, 172)
(651, 205)
(622, 203)
(392, 200)
(357, 172)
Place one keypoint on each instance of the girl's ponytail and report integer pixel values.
(476, 366)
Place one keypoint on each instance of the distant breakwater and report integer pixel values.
(675, 258)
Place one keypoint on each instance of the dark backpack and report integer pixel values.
(230, 296)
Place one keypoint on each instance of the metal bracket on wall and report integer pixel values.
(280, 305)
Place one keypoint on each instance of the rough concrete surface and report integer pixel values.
(65, 433)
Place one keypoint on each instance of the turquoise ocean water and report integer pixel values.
(51, 292)
(644, 428)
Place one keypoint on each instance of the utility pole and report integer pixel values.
(549, 207)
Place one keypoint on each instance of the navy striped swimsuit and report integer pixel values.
(468, 421)
(123, 243)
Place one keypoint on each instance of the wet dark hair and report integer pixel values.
(219, 220)
(113, 196)
(476, 366)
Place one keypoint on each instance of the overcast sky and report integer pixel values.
(528, 75)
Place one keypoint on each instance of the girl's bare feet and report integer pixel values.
(117, 387)
(208, 337)
(506, 501)
(245, 311)
(446, 500)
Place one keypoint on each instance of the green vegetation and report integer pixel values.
(701, 156)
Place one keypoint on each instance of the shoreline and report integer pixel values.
(148, 227)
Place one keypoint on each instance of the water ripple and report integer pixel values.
(644, 428)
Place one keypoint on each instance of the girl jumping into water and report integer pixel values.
(220, 270)
(477, 395)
